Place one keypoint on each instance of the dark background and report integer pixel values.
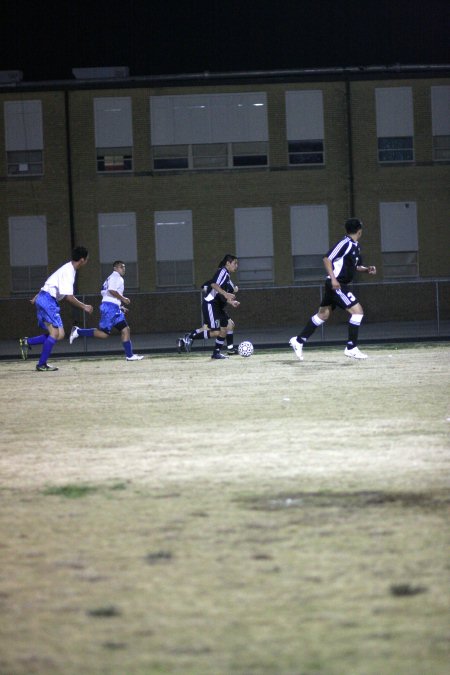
(152, 37)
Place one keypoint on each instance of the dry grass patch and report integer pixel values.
(260, 515)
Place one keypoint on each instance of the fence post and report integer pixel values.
(438, 325)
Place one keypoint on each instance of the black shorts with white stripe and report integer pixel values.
(342, 297)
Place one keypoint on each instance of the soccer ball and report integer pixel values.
(245, 348)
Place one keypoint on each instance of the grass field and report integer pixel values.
(254, 516)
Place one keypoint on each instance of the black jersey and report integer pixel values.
(345, 257)
(222, 279)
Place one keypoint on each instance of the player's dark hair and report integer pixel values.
(116, 263)
(352, 225)
(227, 258)
(79, 252)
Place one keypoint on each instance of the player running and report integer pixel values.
(341, 262)
(220, 290)
(112, 313)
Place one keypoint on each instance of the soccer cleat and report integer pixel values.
(135, 357)
(24, 348)
(218, 355)
(354, 353)
(45, 368)
(181, 347)
(297, 347)
(232, 352)
(73, 334)
(187, 342)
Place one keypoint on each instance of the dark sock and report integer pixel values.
(86, 332)
(38, 340)
(352, 336)
(47, 350)
(199, 334)
(128, 348)
(307, 331)
(219, 343)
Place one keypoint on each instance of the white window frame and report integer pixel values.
(27, 252)
(209, 131)
(399, 240)
(395, 125)
(117, 240)
(113, 123)
(24, 138)
(305, 129)
(309, 241)
(254, 245)
(440, 122)
(174, 247)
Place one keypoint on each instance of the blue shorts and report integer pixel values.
(111, 316)
(48, 310)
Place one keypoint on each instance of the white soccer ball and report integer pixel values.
(245, 348)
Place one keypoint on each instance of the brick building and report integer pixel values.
(171, 173)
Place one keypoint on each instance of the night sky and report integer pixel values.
(46, 39)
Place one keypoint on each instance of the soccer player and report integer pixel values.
(58, 286)
(111, 313)
(220, 290)
(341, 262)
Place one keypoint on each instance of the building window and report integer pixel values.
(113, 134)
(305, 127)
(309, 241)
(395, 124)
(254, 245)
(174, 249)
(24, 138)
(399, 240)
(28, 253)
(117, 241)
(395, 149)
(216, 131)
(113, 159)
(440, 117)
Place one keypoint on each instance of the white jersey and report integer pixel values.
(60, 283)
(113, 283)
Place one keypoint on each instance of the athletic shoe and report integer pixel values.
(187, 342)
(45, 368)
(232, 352)
(73, 334)
(135, 357)
(297, 347)
(181, 347)
(218, 355)
(24, 348)
(354, 353)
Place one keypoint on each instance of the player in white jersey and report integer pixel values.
(59, 286)
(112, 313)
(341, 262)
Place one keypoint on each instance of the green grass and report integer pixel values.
(70, 491)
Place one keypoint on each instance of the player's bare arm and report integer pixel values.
(77, 303)
(371, 269)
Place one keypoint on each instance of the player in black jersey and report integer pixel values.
(219, 291)
(341, 262)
